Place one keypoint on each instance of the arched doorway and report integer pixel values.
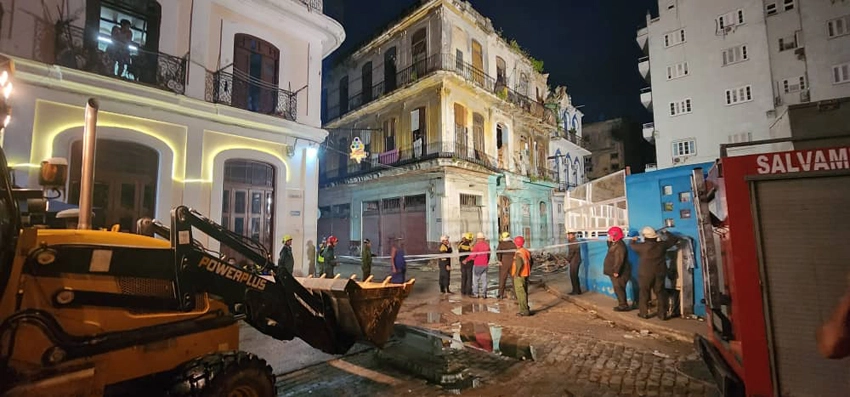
(125, 182)
(247, 202)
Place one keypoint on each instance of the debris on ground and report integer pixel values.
(657, 353)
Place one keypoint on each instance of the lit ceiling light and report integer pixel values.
(104, 39)
(4, 77)
(133, 48)
(7, 90)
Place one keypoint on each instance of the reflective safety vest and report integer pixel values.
(322, 254)
(522, 260)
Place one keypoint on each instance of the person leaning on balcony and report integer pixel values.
(505, 253)
(119, 49)
(465, 246)
(481, 260)
(617, 267)
(574, 259)
(445, 265)
(520, 270)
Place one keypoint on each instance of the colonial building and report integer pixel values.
(208, 103)
(567, 155)
(726, 71)
(456, 124)
(616, 144)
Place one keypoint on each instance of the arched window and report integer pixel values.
(501, 71)
(247, 205)
(256, 64)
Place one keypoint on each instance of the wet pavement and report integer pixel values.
(451, 344)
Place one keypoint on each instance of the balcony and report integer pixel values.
(244, 92)
(425, 67)
(572, 137)
(410, 154)
(72, 50)
(643, 38)
(643, 68)
(646, 97)
(649, 132)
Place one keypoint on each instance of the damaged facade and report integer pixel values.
(456, 124)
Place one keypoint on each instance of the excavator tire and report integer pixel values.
(224, 374)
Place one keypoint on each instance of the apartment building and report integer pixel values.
(726, 71)
(207, 103)
(455, 123)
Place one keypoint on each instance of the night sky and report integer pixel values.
(587, 46)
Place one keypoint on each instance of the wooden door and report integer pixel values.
(477, 62)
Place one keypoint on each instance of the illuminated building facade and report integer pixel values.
(206, 103)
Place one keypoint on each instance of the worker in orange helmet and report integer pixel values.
(617, 267)
(520, 271)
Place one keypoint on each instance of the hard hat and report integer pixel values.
(332, 240)
(480, 235)
(444, 238)
(467, 236)
(366, 241)
(615, 233)
(286, 238)
(519, 241)
(506, 235)
(648, 232)
(571, 231)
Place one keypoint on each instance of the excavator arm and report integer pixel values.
(329, 314)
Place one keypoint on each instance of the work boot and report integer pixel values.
(622, 309)
(644, 316)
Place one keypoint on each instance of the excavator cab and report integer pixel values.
(94, 312)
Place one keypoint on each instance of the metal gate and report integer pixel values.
(805, 267)
(388, 219)
(470, 214)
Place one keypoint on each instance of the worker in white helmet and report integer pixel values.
(652, 269)
(505, 253)
(445, 264)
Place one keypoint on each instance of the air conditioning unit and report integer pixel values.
(793, 87)
(805, 96)
(677, 160)
(728, 29)
(777, 100)
(800, 52)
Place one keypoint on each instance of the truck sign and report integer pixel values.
(804, 161)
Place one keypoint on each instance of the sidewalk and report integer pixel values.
(678, 328)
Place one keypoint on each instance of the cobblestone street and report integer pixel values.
(569, 351)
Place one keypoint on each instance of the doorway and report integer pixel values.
(125, 182)
(247, 202)
(255, 74)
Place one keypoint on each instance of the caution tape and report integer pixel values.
(456, 254)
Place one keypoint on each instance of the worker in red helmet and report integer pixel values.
(617, 267)
(330, 257)
(520, 271)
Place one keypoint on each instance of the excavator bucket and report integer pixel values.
(365, 311)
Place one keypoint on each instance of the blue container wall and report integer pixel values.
(593, 253)
(657, 196)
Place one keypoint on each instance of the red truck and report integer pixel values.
(776, 261)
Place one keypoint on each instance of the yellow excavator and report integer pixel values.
(105, 313)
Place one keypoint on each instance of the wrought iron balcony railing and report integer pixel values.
(313, 4)
(74, 50)
(408, 154)
(424, 67)
(245, 92)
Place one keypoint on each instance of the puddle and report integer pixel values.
(430, 318)
(494, 339)
(476, 308)
(454, 362)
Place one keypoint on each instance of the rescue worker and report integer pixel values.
(652, 269)
(480, 259)
(320, 266)
(445, 265)
(574, 259)
(329, 257)
(398, 262)
(520, 270)
(366, 259)
(286, 260)
(465, 246)
(505, 253)
(617, 267)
